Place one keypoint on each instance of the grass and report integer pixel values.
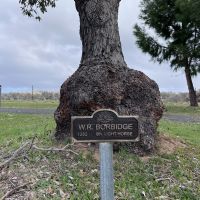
(189, 132)
(65, 175)
(29, 104)
(182, 108)
(162, 177)
(18, 127)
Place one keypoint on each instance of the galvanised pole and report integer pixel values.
(106, 171)
(0, 96)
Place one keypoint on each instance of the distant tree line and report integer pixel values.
(41, 95)
(45, 95)
(177, 97)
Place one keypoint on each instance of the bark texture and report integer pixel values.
(99, 32)
(192, 92)
(103, 80)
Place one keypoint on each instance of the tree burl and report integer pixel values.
(103, 79)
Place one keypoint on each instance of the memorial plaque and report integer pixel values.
(105, 125)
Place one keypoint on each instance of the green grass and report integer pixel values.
(64, 175)
(189, 132)
(181, 108)
(162, 176)
(20, 127)
(29, 104)
(169, 176)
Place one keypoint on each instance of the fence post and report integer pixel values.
(32, 93)
(0, 96)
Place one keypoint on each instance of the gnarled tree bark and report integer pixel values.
(103, 79)
(99, 32)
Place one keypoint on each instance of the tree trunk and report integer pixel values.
(192, 92)
(99, 32)
(103, 80)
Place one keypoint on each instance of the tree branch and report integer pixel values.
(15, 154)
(149, 44)
(33, 146)
(55, 149)
(11, 192)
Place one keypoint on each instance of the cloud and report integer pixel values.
(43, 54)
(46, 53)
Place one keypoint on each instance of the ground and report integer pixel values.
(172, 172)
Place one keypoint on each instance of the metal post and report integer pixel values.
(0, 96)
(106, 171)
(32, 93)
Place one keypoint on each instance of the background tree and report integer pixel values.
(176, 37)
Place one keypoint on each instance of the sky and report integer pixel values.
(44, 54)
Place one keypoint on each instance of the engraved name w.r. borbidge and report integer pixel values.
(105, 125)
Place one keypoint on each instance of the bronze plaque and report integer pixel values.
(103, 126)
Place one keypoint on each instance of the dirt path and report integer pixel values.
(167, 116)
(182, 118)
